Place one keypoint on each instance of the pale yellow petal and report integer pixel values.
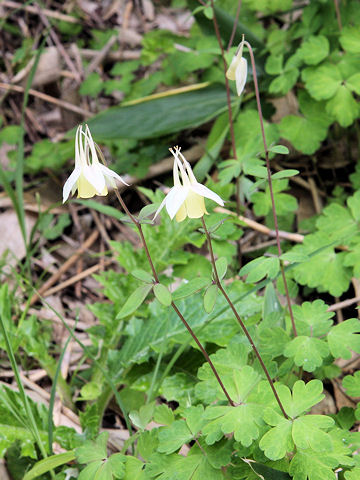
(85, 189)
(230, 73)
(181, 213)
(195, 205)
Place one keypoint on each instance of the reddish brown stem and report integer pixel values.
(234, 26)
(228, 100)
(178, 313)
(257, 94)
(237, 316)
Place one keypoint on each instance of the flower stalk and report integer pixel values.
(267, 160)
(237, 316)
(230, 114)
(177, 311)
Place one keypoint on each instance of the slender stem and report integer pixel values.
(178, 313)
(338, 14)
(257, 94)
(235, 25)
(228, 100)
(245, 330)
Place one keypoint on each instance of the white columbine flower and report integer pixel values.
(90, 177)
(238, 69)
(186, 198)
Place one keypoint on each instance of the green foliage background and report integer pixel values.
(139, 343)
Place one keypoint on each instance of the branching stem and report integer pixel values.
(245, 330)
(177, 311)
(257, 94)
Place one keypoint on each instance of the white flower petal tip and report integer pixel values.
(238, 69)
(186, 198)
(90, 177)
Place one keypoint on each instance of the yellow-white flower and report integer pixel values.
(186, 198)
(238, 69)
(90, 177)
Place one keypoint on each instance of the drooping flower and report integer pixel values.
(90, 177)
(238, 69)
(186, 198)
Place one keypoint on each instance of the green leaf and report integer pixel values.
(305, 134)
(214, 143)
(314, 49)
(158, 330)
(307, 352)
(142, 418)
(106, 209)
(352, 259)
(282, 150)
(277, 441)
(285, 204)
(304, 396)
(312, 318)
(93, 451)
(163, 414)
(354, 83)
(322, 82)
(269, 473)
(174, 437)
(294, 257)
(229, 363)
(148, 443)
(133, 468)
(14, 426)
(147, 211)
(49, 463)
(10, 134)
(260, 268)
(116, 464)
(243, 421)
(309, 465)
(353, 475)
(90, 391)
(272, 307)
(162, 294)
(181, 431)
(325, 270)
(351, 383)
(142, 275)
(92, 85)
(274, 340)
(221, 267)
(195, 466)
(92, 470)
(343, 226)
(191, 287)
(343, 106)
(350, 38)
(307, 433)
(210, 297)
(134, 301)
(152, 117)
(344, 337)
(283, 83)
(274, 64)
(285, 174)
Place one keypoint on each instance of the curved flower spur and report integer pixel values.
(90, 177)
(186, 198)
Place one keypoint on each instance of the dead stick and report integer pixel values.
(48, 98)
(74, 279)
(64, 267)
(45, 11)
